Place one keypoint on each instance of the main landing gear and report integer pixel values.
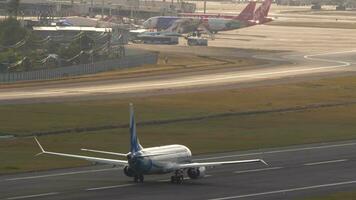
(178, 177)
(138, 178)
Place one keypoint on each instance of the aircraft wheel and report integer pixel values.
(177, 179)
(173, 179)
(141, 178)
(136, 179)
(180, 179)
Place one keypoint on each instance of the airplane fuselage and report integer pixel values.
(211, 24)
(159, 160)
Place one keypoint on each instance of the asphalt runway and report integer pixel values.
(298, 65)
(293, 172)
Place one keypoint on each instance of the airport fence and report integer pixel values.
(81, 69)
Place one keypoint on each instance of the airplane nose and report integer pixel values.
(146, 24)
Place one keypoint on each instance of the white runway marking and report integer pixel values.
(282, 151)
(109, 187)
(342, 63)
(257, 170)
(287, 190)
(325, 162)
(33, 196)
(60, 174)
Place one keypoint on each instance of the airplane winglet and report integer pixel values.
(262, 161)
(39, 154)
(42, 150)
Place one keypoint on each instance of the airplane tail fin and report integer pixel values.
(40, 146)
(261, 12)
(248, 12)
(134, 142)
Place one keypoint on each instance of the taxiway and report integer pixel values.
(295, 65)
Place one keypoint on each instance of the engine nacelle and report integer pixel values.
(195, 173)
(129, 172)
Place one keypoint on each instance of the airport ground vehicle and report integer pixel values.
(197, 41)
(159, 39)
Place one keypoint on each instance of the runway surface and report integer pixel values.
(293, 172)
(300, 65)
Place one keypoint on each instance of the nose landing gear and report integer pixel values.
(178, 177)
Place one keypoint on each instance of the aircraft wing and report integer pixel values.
(88, 158)
(106, 152)
(212, 164)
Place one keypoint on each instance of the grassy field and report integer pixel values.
(336, 196)
(175, 63)
(340, 25)
(328, 11)
(213, 121)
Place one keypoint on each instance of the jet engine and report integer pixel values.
(129, 172)
(195, 173)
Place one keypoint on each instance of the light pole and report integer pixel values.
(204, 6)
(102, 9)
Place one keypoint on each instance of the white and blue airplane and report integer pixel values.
(154, 160)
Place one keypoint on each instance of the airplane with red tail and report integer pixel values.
(246, 18)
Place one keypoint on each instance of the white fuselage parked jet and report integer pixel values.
(154, 160)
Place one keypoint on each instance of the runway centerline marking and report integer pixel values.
(109, 187)
(33, 196)
(286, 190)
(60, 174)
(257, 170)
(325, 162)
(281, 151)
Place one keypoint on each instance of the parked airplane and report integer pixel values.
(213, 25)
(154, 160)
(261, 13)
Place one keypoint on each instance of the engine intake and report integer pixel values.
(195, 173)
(129, 172)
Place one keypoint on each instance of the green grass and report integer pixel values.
(26, 119)
(215, 134)
(176, 63)
(336, 24)
(335, 196)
